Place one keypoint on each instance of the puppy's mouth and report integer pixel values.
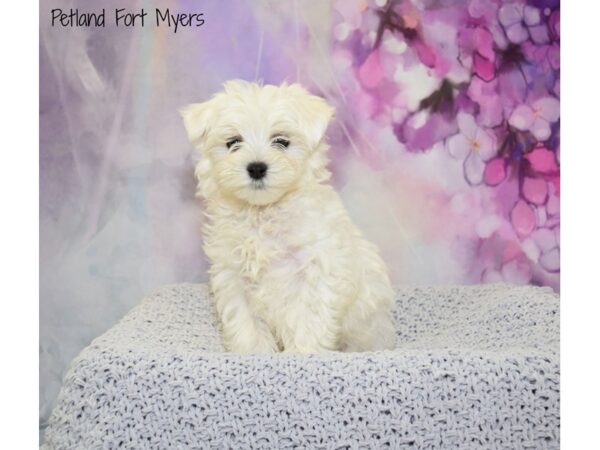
(258, 185)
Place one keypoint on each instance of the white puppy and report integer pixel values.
(290, 271)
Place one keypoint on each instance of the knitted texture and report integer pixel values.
(475, 367)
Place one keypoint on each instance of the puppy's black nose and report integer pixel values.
(257, 170)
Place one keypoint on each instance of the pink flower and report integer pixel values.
(542, 160)
(535, 190)
(503, 260)
(370, 73)
(477, 52)
(495, 171)
(516, 270)
(537, 117)
(474, 145)
(523, 218)
(425, 53)
(483, 67)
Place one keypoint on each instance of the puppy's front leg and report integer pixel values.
(242, 331)
(312, 322)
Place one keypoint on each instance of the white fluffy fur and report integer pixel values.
(290, 271)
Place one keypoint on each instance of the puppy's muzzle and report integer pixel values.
(257, 170)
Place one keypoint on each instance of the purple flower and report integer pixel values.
(522, 21)
(491, 108)
(536, 117)
(543, 247)
(483, 9)
(474, 145)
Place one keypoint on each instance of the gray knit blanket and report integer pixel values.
(475, 367)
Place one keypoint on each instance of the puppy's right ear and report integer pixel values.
(196, 121)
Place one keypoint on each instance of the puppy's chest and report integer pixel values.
(258, 245)
(261, 247)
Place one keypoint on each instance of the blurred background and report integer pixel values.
(445, 145)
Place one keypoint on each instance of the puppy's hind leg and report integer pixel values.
(368, 324)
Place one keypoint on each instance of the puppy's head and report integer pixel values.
(258, 143)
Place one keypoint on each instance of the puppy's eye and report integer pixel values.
(281, 142)
(233, 142)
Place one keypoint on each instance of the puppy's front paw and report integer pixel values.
(252, 340)
(307, 350)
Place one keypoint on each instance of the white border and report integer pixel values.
(580, 224)
(19, 229)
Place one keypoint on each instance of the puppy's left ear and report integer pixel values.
(315, 113)
(196, 121)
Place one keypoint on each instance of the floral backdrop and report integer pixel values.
(472, 85)
(445, 144)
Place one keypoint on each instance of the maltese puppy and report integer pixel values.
(289, 270)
